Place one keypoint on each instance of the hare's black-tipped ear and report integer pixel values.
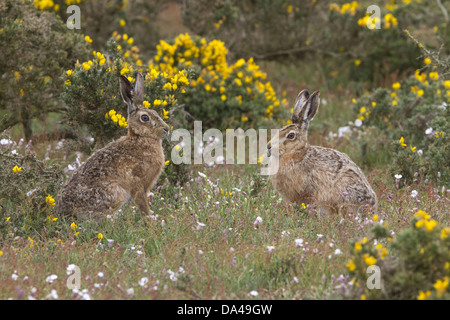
(138, 95)
(126, 91)
(299, 107)
(313, 106)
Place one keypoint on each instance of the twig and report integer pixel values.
(444, 11)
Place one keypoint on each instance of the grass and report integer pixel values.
(200, 244)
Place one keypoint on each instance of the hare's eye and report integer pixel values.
(145, 117)
(291, 135)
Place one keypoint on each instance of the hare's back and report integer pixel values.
(344, 176)
(108, 162)
(332, 165)
(330, 160)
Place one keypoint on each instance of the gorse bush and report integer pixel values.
(36, 49)
(93, 99)
(414, 115)
(28, 186)
(414, 264)
(222, 95)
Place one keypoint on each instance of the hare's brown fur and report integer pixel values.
(126, 168)
(313, 174)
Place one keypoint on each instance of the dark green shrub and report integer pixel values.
(37, 47)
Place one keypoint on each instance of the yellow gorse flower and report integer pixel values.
(49, 199)
(101, 58)
(430, 225)
(17, 169)
(441, 286)
(433, 75)
(447, 84)
(369, 260)
(31, 242)
(384, 253)
(87, 65)
(351, 266)
(402, 142)
(425, 221)
(396, 86)
(422, 215)
(445, 232)
(117, 118)
(423, 295)
(390, 20)
(421, 77)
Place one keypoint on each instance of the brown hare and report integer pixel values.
(303, 173)
(127, 167)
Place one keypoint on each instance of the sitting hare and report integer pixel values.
(303, 173)
(128, 167)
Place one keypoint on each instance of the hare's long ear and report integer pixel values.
(308, 111)
(299, 107)
(138, 94)
(126, 91)
(313, 106)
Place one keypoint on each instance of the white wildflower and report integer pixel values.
(51, 278)
(299, 242)
(201, 174)
(143, 281)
